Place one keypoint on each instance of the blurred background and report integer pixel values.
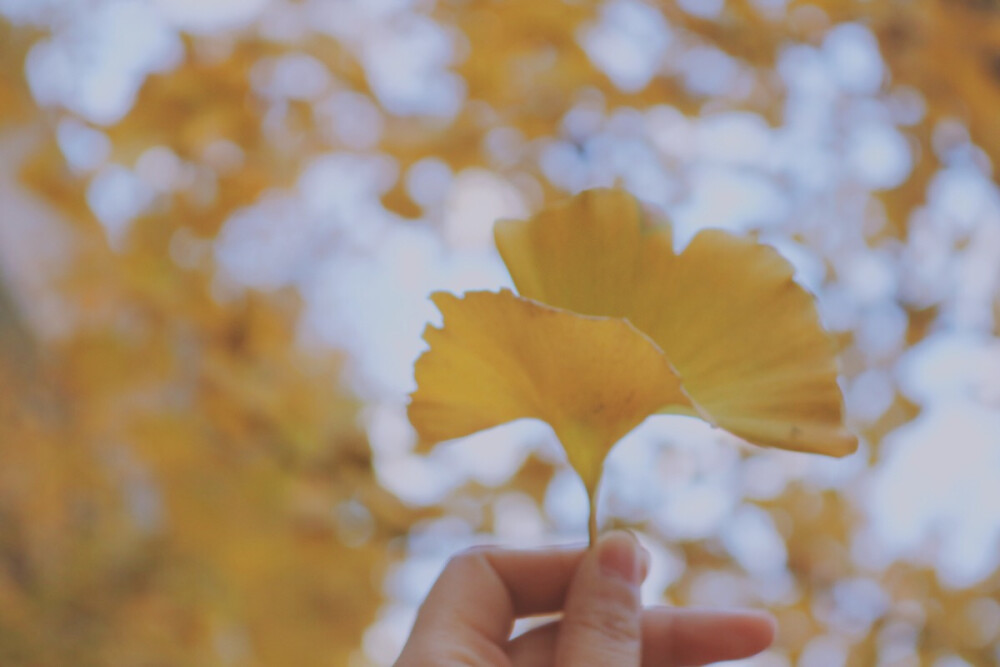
(219, 224)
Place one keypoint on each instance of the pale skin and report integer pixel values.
(468, 616)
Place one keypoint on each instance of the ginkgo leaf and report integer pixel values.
(499, 357)
(583, 255)
(748, 341)
(745, 338)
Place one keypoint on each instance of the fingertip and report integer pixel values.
(750, 631)
(699, 636)
(757, 628)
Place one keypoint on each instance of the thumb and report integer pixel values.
(601, 620)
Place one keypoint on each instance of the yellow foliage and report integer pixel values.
(731, 338)
(182, 484)
(499, 358)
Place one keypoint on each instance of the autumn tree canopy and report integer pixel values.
(219, 225)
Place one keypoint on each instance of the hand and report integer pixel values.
(469, 613)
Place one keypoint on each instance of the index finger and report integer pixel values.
(480, 593)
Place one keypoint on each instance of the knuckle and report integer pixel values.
(612, 626)
(614, 616)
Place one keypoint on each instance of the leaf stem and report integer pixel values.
(592, 521)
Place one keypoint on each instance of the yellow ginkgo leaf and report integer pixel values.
(745, 338)
(583, 255)
(499, 357)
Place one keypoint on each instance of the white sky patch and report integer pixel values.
(697, 510)
(346, 187)
(808, 168)
(936, 488)
(517, 519)
(389, 430)
(824, 651)
(96, 65)
(869, 395)
(116, 196)
(584, 119)
(881, 331)
(753, 540)
(869, 277)
(160, 168)
(964, 195)
(406, 61)
(490, 457)
(763, 476)
(927, 263)
(477, 199)
(428, 181)
(375, 306)
(288, 236)
(84, 147)
(977, 280)
(879, 154)
(628, 484)
(710, 72)
(628, 43)
(268, 244)
(852, 51)
(351, 119)
(25, 11)
(671, 132)
(950, 366)
(807, 73)
(417, 480)
(295, 76)
(702, 8)
(737, 138)
(951, 661)
(207, 16)
(859, 601)
(631, 159)
(689, 486)
(728, 199)
(722, 589)
(564, 165)
(566, 502)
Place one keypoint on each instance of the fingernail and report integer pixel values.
(619, 555)
(644, 559)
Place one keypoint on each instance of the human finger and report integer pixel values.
(601, 620)
(670, 637)
(472, 606)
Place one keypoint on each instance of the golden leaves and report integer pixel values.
(499, 358)
(744, 337)
(15, 100)
(173, 478)
(731, 329)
